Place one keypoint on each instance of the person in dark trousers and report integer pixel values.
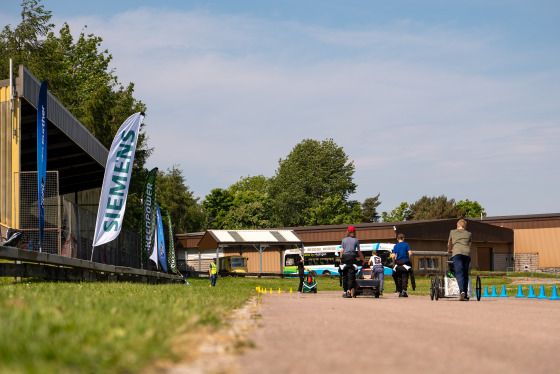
(350, 248)
(301, 272)
(213, 271)
(401, 258)
(459, 244)
(377, 270)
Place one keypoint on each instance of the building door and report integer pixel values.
(485, 258)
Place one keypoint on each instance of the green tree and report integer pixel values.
(470, 209)
(216, 206)
(175, 197)
(311, 173)
(399, 214)
(259, 183)
(244, 205)
(427, 208)
(247, 211)
(334, 211)
(24, 43)
(369, 209)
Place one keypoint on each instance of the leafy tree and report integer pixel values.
(216, 206)
(334, 211)
(244, 205)
(311, 173)
(470, 208)
(369, 209)
(248, 211)
(260, 184)
(24, 44)
(400, 213)
(440, 207)
(174, 195)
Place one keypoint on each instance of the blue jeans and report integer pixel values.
(379, 273)
(462, 263)
(213, 278)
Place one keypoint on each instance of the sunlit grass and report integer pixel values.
(58, 327)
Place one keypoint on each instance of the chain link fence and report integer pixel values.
(29, 211)
(78, 227)
(68, 227)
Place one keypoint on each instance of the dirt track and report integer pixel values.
(311, 333)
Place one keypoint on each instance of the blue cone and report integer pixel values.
(531, 293)
(542, 295)
(494, 294)
(554, 294)
(504, 293)
(519, 292)
(485, 294)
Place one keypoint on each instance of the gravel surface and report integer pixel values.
(314, 333)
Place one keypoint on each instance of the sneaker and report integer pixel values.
(404, 294)
(462, 297)
(344, 294)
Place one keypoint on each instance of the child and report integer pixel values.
(378, 270)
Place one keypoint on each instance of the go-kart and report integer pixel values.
(365, 285)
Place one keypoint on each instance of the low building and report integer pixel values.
(492, 250)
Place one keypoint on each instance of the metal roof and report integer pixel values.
(72, 150)
(214, 238)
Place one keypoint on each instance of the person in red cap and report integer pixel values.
(350, 248)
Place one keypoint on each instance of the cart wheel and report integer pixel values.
(478, 288)
(432, 290)
(436, 288)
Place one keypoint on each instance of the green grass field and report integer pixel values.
(55, 327)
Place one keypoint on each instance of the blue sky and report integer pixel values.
(459, 98)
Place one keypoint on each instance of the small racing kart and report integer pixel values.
(447, 285)
(365, 285)
(309, 283)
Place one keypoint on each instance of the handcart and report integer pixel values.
(364, 284)
(309, 283)
(447, 286)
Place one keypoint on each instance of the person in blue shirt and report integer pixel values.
(401, 260)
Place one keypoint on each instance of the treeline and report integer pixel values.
(311, 186)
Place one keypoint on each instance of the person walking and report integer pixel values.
(301, 272)
(213, 273)
(401, 259)
(459, 245)
(378, 270)
(350, 247)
